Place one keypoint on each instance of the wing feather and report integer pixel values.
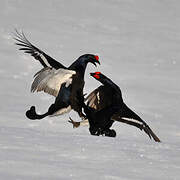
(99, 98)
(49, 80)
(38, 54)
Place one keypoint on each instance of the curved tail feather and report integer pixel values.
(128, 113)
(142, 126)
(150, 133)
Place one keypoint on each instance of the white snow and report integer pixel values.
(138, 42)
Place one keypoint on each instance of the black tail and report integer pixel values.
(143, 126)
(150, 133)
(31, 114)
(126, 112)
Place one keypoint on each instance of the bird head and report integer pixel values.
(105, 81)
(97, 75)
(94, 59)
(81, 63)
(90, 58)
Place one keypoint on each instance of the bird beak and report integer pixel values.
(98, 62)
(92, 74)
(94, 62)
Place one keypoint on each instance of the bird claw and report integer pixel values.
(31, 113)
(75, 124)
(109, 133)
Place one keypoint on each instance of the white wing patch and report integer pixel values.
(62, 111)
(98, 97)
(50, 80)
(91, 99)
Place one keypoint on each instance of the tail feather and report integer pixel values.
(150, 133)
(128, 113)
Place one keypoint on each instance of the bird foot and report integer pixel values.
(99, 131)
(109, 133)
(74, 123)
(95, 131)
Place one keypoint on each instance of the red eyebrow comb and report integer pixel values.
(97, 57)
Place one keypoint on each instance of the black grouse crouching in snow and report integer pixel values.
(64, 83)
(105, 105)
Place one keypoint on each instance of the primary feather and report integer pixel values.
(42, 57)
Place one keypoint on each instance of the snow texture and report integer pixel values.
(138, 42)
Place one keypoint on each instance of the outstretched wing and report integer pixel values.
(134, 122)
(99, 98)
(50, 80)
(39, 55)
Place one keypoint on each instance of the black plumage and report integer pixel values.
(55, 79)
(105, 105)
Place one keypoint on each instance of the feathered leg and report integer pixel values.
(31, 114)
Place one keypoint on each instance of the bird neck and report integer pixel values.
(110, 84)
(79, 66)
(117, 99)
(107, 82)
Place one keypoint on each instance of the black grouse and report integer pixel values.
(105, 105)
(55, 79)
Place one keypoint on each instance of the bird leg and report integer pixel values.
(31, 114)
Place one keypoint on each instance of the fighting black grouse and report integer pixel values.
(55, 79)
(105, 105)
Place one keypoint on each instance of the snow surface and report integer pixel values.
(138, 42)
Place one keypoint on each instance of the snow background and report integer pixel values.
(138, 42)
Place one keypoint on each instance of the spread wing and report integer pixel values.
(39, 55)
(50, 80)
(99, 98)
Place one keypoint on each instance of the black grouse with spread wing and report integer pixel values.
(105, 105)
(64, 83)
